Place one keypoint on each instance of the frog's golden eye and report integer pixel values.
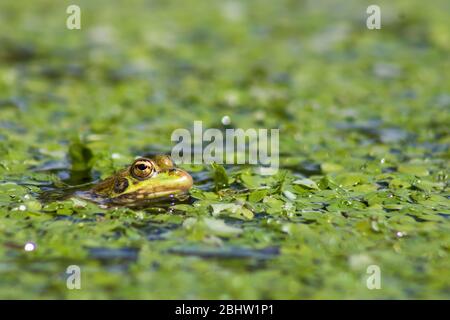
(142, 168)
(164, 162)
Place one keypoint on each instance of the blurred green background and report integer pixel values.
(364, 135)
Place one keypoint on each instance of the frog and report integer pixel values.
(145, 180)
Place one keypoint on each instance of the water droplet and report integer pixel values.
(226, 120)
(29, 246)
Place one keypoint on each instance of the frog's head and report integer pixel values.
(144, 179)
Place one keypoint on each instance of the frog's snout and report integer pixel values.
(185, 179)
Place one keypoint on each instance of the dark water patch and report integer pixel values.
(416, 218)
(75, 219)
(375, 129)
(435, 147)
(382, 185)
(14, 102)
(202, 178)
(389, 169)
(51, 192)
(75, 178)
(306, 168)
(226, 252)
(155, 232)
(52, 166)
(127, 73)
(14, 51)
(396, 151)
(25, 182)
(442, 100)
(12, 127)
(57, 72)
(63, 169)
(108, 255)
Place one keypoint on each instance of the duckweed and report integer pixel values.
(364, 149)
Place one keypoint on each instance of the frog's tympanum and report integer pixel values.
(145, 179)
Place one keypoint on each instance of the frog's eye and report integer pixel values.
(142, 168)
(164, 162)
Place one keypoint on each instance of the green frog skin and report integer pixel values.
(145, 179)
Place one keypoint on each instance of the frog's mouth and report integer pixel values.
(165, 187)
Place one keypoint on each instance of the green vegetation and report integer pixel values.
(364, 148)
